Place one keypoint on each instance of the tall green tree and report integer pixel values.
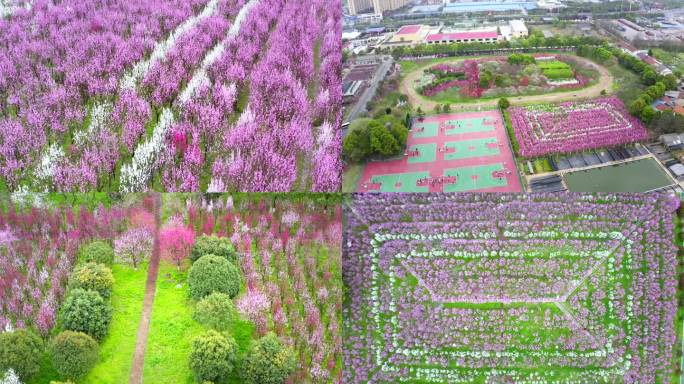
(20, 350)
(268, 362)
(356, 145)
(647, 114)
(381, 140)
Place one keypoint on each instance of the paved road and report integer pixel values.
(369, 93)
(417, 100)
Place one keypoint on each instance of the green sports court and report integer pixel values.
(423, 130)
(472, 178)
(468, 126)
(427, 153)
(401, 182)
(472, 148)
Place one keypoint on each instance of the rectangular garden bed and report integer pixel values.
(574, 126)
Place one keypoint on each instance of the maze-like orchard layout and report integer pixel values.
(574, 126)
(498, 288)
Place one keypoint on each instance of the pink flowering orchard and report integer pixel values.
(574, 126)
(258, 274)
(40, 247)
(201, 95)
(289, 257)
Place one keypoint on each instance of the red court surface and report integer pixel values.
(457, 152)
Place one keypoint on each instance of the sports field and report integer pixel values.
(449, 153)
(634, 176)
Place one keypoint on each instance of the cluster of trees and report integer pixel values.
(599, 54)
(641, 107)
(535, 40)
(214, 280)
(439, 108)
(443, 77)
(486, 78)
(656, 85)
(84, 319)
(648, 75)
(521, 59)
(382, 137)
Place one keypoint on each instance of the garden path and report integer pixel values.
(150, 288)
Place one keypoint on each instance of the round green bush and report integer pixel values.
(213, 356)
(94, 277)
(268, 362)
(73, 354)
(97, 252)
(21, 350)
(213, 245)
(216, 311)
(212, 273)
(87, 312)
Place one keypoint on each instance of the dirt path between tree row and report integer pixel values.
(150, 289)
(416, 100)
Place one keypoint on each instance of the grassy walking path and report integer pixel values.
(173, 329)
(116, 350)
(150, 288)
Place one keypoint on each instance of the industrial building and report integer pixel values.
(464, 37)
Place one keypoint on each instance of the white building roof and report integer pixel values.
(350, 35)
(677, 169)
(518, 26)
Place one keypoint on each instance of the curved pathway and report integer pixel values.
(416, 100)
(150, 289)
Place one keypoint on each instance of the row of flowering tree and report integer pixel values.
(574, 126)
(51, 81)
(283, 134)
(56, 283)
(128, 96)
(545, 288)
(287, 252)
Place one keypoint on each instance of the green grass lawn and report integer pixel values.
(626, 84)
(350, 178)
(116, 351)
(674, 59)
(172, 330)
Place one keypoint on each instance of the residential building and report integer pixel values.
(359, 6)
(377, 6)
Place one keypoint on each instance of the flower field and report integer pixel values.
(469, 85)
(499, 288)
(287, 253)
(64, 284)
(574, 126)
(171, 95)
(499, 76)
(38, 250)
